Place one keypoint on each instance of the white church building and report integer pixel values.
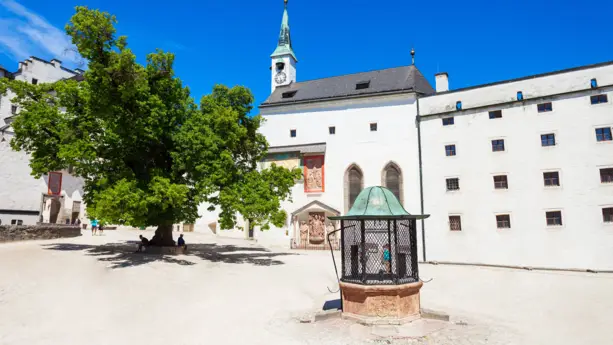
(517, 172)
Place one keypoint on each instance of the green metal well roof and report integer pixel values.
(377, 203)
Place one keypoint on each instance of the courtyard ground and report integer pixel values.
(95, 290)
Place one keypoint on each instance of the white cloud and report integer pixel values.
(27, 33)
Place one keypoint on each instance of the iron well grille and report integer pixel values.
(379, 251)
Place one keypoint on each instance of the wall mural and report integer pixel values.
(313, 173)
(286, 160)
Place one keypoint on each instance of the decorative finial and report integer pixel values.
(285, 1)
(412, 56)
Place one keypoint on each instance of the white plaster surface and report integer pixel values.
(92, 292)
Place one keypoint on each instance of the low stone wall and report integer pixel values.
(10, 233)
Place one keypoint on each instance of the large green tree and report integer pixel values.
(147, 153)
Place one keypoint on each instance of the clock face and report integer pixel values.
(280, 78)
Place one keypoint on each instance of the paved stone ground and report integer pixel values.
(95, 290)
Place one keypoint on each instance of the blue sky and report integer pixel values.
(230, 41)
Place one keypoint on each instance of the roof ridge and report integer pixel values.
(355, 73)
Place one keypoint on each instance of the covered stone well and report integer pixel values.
(379, 271)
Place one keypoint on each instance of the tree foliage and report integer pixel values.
(147, 153)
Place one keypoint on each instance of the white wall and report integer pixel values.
(395, 140)
(20, 191)
(583, 241)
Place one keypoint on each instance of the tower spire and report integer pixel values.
(284, 45)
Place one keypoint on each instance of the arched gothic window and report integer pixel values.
(354, 183)
(391, 178)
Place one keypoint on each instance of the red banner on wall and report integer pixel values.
(55, 183)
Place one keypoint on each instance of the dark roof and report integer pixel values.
(391, 80)
(306, 148)
(534, 76)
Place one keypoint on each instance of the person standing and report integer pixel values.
(94, 223)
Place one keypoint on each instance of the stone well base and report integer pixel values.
(371, 303)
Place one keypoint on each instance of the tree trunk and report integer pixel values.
(251, 229)
(163, 236)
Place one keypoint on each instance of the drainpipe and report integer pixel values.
(421, 179)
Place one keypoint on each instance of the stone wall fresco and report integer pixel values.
(314, 173)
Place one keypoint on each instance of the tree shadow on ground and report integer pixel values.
(122, 254)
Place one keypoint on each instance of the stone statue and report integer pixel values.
(304, 232)
(316, 227)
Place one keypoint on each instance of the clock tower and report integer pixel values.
(284, 60)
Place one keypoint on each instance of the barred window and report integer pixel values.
(544, 107)
(453, 184)
(503, 221)
(606, 175)
(551, 178)
(607, 214)
(496, 114)
(598, 99)
(548, 139)
(498, 145)
(554, 218)
(450, 150)
(500, 182)
(603, 134)
(455, 223)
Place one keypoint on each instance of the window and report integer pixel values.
(497, 145)
(392, 180)
(362, 85)
(598, 99)
(593, 83)
(503, 221)
(354, 185)
(373, 127)
(554, 218)
(501, 182)
(448, 121)
(606, 175)
(34, 81)
(292, 133)
(603, 134)
(548, 139)
(332, 130)
(450, 150)
(496, 114)
(458, 105)
(544, 107)
(520, 96)
(16, 222)
(288, 94)
(551, 178)
(607, 214)
(13, 109)
(453, 184)
(455, 223)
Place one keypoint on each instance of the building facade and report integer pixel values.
(520, 172)
(53, 198)
(517, 172)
